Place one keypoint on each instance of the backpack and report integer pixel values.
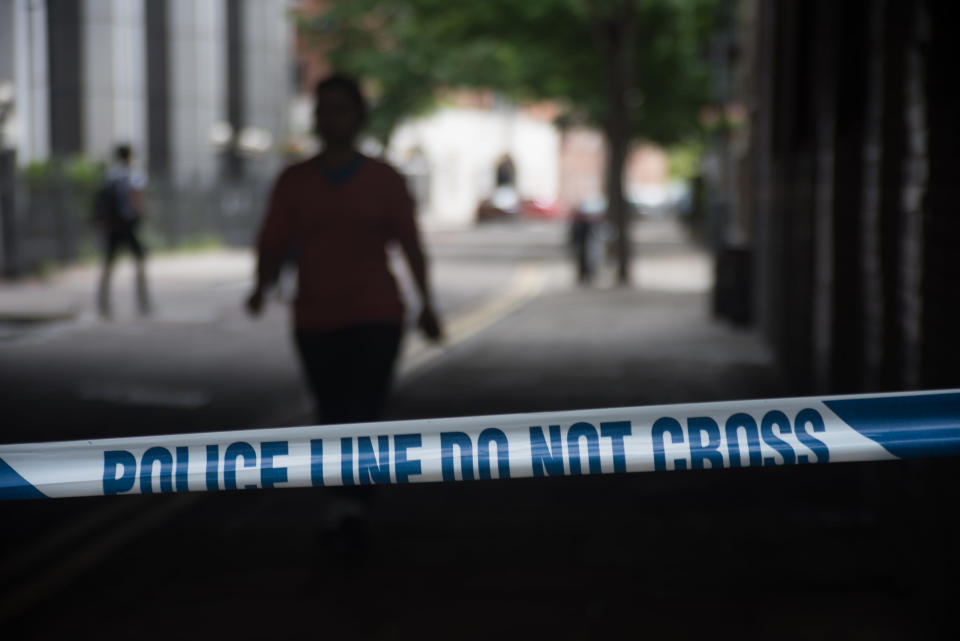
(106, 204)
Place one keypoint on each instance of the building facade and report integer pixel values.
(200, 89)
(197, 88)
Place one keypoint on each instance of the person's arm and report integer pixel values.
(408, 236)
(139, 202)
(428, 320)
(273, 243)
(138, 195)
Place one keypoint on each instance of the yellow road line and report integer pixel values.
(527, 283)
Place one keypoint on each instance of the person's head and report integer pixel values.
(123, 153)
(340, 110)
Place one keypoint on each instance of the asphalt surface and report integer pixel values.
(863, 551)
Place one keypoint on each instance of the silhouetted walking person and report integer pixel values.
(119, 209)
(587, 239)
(337, 212)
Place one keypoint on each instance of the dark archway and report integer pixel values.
(506, 172)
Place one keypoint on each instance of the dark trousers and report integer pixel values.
(117, 237)
(349, 369)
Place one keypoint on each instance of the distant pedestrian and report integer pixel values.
(337, 212)
(588, 236)
(119, 209)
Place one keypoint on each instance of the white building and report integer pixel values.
(453, 154)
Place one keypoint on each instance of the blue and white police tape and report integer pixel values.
(634, 439)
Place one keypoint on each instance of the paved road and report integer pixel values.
(198, 363)
(861, 551)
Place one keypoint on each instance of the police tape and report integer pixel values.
(870, 427)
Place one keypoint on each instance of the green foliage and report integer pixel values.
(408, 49)
(394, 64)
(84, 172)
(39, 171)
(683, 159)
(81, 172)
(199, 242)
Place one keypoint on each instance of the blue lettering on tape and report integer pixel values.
(371, 468)
(583, 430)
(704, 435)
(906, 425)
(616, 431)
(346, 461)
(162, 456)
(270, 475)
(404, 466)
(183, 466)
(745, 423)
(663, 426)
(461, 441)
(490, 438)
(236, 451)
(213, 467)
(812, 418)
(316, 462)
(546, 459)
(125, 463)
(776, 418)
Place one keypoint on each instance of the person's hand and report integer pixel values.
(430, 325)
(255, 302)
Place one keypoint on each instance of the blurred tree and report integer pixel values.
(632, 67)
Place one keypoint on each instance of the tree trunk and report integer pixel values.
(618, 33)
(617, 210)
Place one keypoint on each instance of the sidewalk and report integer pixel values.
(42, 299)
(69, 293)
(552, 345)
(602, 346)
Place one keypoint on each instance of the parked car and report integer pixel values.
(543, 209)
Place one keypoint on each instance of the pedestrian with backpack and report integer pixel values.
(119, 208)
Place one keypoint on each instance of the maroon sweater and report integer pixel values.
(339, 232)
